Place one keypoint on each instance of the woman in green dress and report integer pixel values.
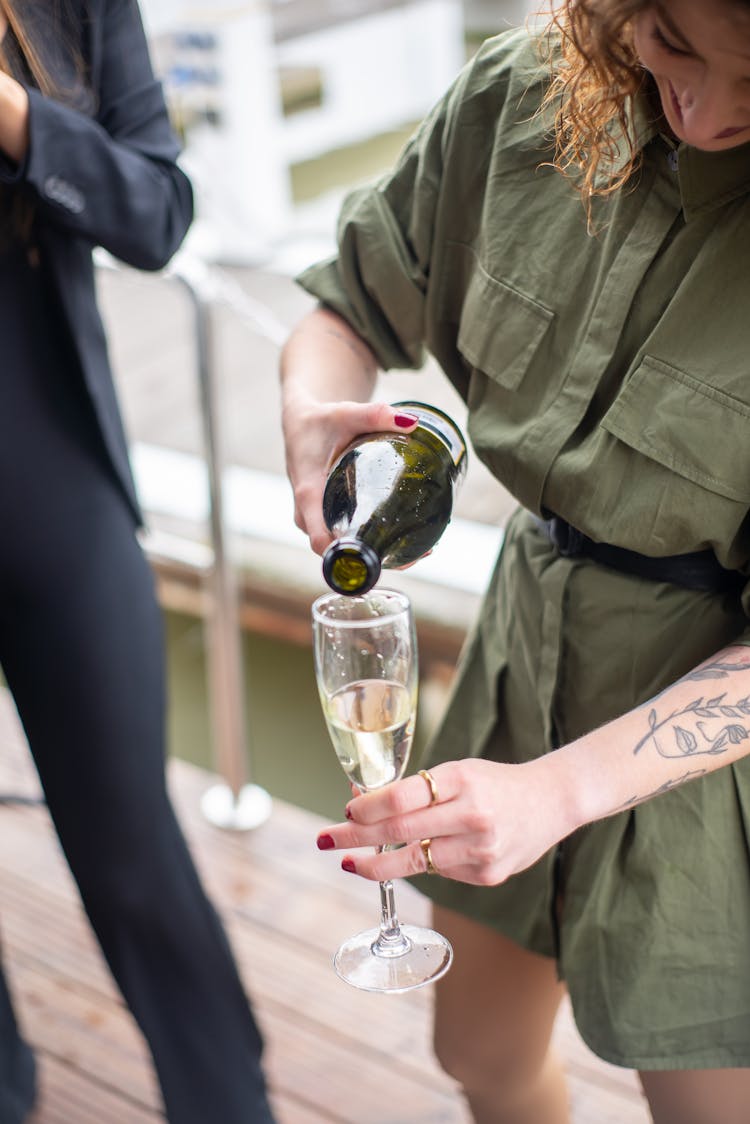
(567, 233)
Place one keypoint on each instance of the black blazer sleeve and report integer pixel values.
(110, 177)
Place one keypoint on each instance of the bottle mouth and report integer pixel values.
(351, 567)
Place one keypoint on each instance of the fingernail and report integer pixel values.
(348, 813)
(325, 842)
(348, 866)
(404, 420)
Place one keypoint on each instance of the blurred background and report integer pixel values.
(282, 106)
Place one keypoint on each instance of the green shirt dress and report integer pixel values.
(607, 377)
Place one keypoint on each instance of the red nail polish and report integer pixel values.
(348, 866)
(405, 421)
(348, 813)
(325, 842)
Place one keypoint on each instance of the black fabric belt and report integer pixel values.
(699, 570)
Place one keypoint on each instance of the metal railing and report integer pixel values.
(236, 802)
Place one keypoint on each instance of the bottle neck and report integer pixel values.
(351, 567)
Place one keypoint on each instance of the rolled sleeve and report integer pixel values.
(380, 280)
(373, 283)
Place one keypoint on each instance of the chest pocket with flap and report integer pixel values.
(697, 431)
(500, 328)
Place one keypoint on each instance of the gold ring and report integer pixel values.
(425, 844)
(434, 794)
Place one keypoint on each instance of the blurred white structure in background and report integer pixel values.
(487, 16)
(217, 61)
(374, 66)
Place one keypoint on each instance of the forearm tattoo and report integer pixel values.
(357, 348)
(706, 726)
(666, 787)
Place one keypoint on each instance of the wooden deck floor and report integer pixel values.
(334, 1056)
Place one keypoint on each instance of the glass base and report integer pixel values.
(248, 809)
(425, 958)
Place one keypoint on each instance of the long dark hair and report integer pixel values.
(27, 49)
(21, 58)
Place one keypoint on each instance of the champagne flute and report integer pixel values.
(366, 669)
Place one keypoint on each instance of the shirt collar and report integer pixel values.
(707, 180)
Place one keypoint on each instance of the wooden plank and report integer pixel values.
(67, 1095)
(86, 1032)
(331, 1051)
(319, 1020)
(304, 1027)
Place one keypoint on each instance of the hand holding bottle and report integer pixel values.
(323, 362)
(389, 497)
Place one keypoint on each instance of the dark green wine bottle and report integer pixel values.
(389, 497)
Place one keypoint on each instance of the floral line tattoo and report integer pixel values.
(666, 787)
(700, 739)
(686, 742)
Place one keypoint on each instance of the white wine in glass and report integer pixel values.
(366, 669)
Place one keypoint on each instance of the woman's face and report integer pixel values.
(698, 52)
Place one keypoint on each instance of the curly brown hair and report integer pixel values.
(594, 75)
(596, 72)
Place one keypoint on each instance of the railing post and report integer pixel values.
(235, 803)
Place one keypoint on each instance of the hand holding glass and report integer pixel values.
(366, 670)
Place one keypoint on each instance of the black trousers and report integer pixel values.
(81, 649)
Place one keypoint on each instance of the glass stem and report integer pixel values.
(391, 941)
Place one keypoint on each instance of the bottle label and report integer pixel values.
(441, 425)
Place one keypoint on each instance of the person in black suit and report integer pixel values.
(87, 157)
